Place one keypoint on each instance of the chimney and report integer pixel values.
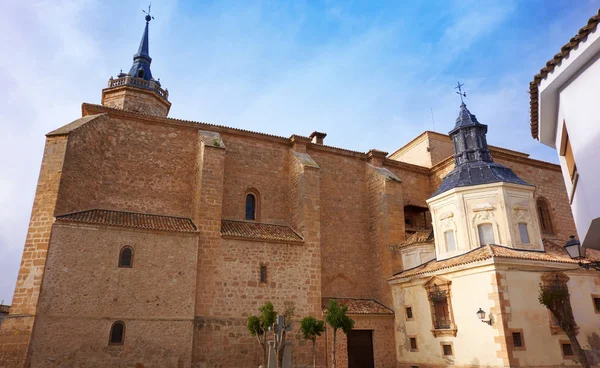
(317, 137)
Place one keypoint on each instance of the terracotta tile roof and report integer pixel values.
(359, 306)
(259, 231)
(550, 65)
(418, 237)
(130, 219)
(553, 252)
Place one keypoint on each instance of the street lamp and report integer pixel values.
(481, 316)
(576, 251)
(574, 248)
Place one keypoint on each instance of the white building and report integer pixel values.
(565, 99)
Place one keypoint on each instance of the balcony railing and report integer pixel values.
(139, 82)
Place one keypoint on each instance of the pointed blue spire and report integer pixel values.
(142, 59)
(143, 49)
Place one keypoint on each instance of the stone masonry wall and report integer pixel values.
(129, 165)
(259, 165)
(136, 100)
(84, 292)
(386, 215)
(347, 254)
(16, 329)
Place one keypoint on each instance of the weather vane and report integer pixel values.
(460, 92)
(148, 16)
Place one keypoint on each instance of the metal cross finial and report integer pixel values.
(460, 92)
(148, 16)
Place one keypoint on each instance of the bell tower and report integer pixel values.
(137, 90)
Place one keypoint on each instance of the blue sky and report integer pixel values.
(367, 73)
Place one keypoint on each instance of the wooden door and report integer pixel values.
(360, 349)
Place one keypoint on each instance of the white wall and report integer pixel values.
(579, 108)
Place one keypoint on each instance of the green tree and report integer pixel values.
(312, 328)
(259, 326)
(337, 319)
(555, 296)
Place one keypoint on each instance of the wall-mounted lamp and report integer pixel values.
(577, 252)
(481, 315)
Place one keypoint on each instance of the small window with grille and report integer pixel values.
(447, 350)
(517, 340)
(409, 313)
(567, 350)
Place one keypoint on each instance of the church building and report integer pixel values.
(152, 239)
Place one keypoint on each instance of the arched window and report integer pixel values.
(450, 241)
(126, 257)
(486, 234)
(250, 206)
(544, 216)
(117, 333)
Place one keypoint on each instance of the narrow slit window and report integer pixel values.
(486, 234)
(413, 344)
(250, 207)
(263, 274)
(523, 233)
(117, 333)
(126, 257)
(570, 161)
(409, 313)
(450, 241)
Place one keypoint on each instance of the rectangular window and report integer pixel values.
(447, 349)
(567, 350)
(596, 304)
(441, 314)
(486, 234)
(569, 159)
(413, 344)
(523, 233)
(409, 314)
(263, 274)
(450, 241)
(517, 340)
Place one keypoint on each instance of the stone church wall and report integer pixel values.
(129, 165)
(260, 165)
(84, 293)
